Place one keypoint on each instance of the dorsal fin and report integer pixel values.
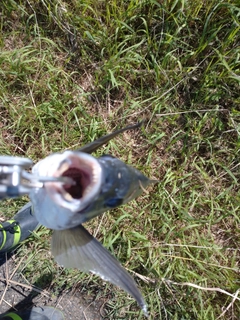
(93, 146)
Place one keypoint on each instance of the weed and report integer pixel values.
(73, 70)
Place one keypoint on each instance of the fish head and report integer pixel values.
(56, 204)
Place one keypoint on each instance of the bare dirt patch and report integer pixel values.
(16, 294)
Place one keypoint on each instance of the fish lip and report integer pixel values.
(57, 165)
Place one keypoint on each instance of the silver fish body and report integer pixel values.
(100, 184)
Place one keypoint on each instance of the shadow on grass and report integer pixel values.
(26, 304)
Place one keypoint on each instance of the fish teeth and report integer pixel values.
(68, 197)
(87, 190)
(65, 166)
(95, 174)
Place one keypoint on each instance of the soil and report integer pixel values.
(18, 296)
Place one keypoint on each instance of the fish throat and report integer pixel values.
(81, 178)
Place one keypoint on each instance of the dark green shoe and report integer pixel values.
(45, 313)
(17, 229)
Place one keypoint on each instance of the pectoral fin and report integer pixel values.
(77, 248)
(93, 146)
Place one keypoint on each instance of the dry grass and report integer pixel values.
(73, 70)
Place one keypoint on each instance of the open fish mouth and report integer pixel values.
(82, 168)
(81, 179)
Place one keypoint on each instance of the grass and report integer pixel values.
(71, 71)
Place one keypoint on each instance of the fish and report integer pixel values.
(100, 184)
